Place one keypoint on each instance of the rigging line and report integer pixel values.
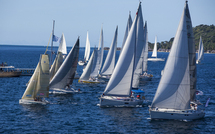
(48, 43)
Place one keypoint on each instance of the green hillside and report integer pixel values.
(208, 36)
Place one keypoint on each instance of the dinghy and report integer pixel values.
(109, 63)
(154, 53)
(87, 52)
(200, 52)
(38, 87)
(175, 94)
(118, 92)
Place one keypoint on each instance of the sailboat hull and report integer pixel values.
(109, 101)
(81, 63)
(177, 114)
(24, 101)
(155, 59)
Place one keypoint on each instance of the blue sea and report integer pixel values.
(78, 112)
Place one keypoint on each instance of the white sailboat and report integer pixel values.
(200, 52)
(65, 74)
(87, 52)
(154, 53)
(109, 63)
(118, 90)
(99, 57)
(62, 51)
(38, 87)
(173, 98)
(86, 76)
(145, 76)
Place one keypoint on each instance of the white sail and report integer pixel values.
(154, 54)
(56, 64)
(174, 88)
(145, 49)
(87, 49)
(201, 50)
(65, 75)
(120, 83)
(140, 42)
(99, 57)
(62, 47)
(192, 54)
(109, 63)
(128, 27)
(87, 71)
(39, 82)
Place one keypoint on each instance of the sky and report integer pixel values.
(30, 22)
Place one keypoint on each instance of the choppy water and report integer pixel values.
(79, 113)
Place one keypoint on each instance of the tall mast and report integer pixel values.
(52, 43)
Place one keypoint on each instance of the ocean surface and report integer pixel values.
(78, 112)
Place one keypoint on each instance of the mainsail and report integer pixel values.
(145, 49)
(65, 75)
(120, 83)
(39, 82)
(128, 27)
(87, 48)
(109, 63)
(201, 50)
(99, 56)
(173, 91)
(192, 53)
(154, 54)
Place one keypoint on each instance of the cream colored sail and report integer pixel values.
(39, 83)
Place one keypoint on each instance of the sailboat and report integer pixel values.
(38, 87)
(174, 96)
(109, 63)
(145, 76)
(65, 74)
(87, 52)
(154, 53)
(62, 51)
(118, 92)
(200, 52)
(86, 75)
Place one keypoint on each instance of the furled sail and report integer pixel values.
(65, 75)
(173, 91)
(109, 63)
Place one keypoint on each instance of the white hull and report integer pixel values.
(81, 63)
(156, 59)
(56, 90)
(23, 101)
(109, 101)
(177, 114)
